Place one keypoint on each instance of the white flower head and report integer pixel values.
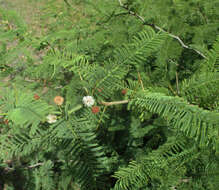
(51, 118)
(88, 101)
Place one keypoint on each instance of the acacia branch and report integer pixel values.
(115, 103)
(35, 165)
(160, 29)
(8, 169)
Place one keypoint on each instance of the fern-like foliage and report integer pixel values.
(159, 142)
(195, 122)
(77, 149)
(23, 110)
(153, 170)
(44, 176)
(141, 47)
(212, 63)
(85, 155)
(202, 89)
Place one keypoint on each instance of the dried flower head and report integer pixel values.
(36, 97)
(51, 118)
(99, 90)
(95, 109)
(124, 91)
(6, 121)
(88, 101)
(59, 100)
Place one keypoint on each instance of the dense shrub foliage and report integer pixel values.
(110, 95)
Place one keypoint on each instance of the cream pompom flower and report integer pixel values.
(58, 100)
(88, 101)
(51, 118)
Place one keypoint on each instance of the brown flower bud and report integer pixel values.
(99, 90)
(95, 109)
(6, 121)
(36, 97)
(124, 91)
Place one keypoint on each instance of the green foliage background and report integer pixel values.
(164, 136)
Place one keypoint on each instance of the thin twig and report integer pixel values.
(115, 103)
(34, 166)
(82, 80)
(101, 116)
(177, 83)
(171, 89)
(160, 29)
(120, 2)
(7, 169)
(139, 78)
